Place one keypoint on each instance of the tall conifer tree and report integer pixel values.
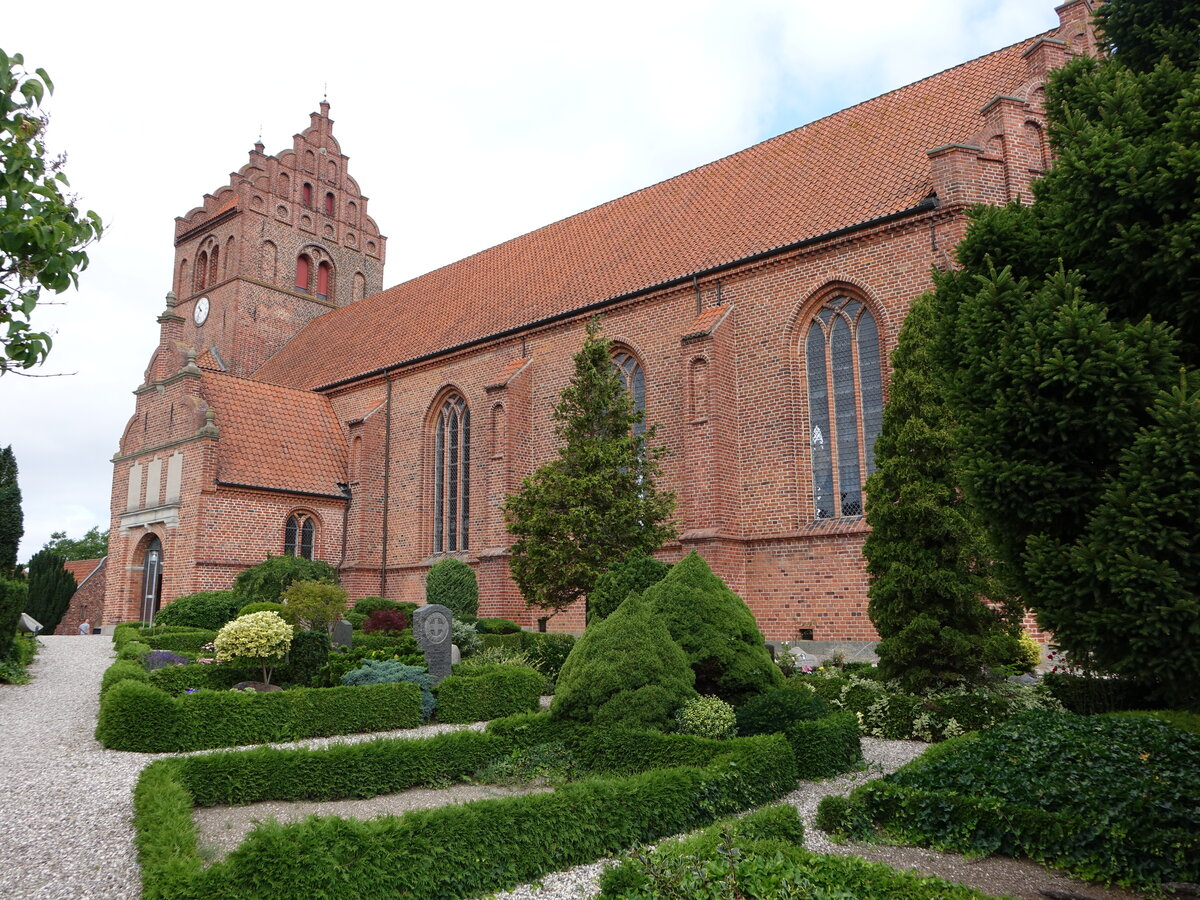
(50, 589)
(597, 502)
(12, 525)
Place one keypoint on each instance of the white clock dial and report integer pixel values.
(200, 313)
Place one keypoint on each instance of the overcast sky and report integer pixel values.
(466, 123)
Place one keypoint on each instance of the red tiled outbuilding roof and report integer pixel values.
(275, 437)
(857, 165)
(82, 568)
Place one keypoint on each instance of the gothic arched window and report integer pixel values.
(201, 270)
(298, 535)
(845, 404)
(329, 204)
(324, 280)
(451, 476)
(303, 272)
(306, 194)
(634, 379)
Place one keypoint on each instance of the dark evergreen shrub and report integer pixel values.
(13, 596)
(625, 672)
(778, 708)
(825, 746)
(308, 653)
(631, 575)
(270, 578)
(452, 584)
(50, 588)
(385, 621)
(391, 671)
(716, 630)
(204, 609)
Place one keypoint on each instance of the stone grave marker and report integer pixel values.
(343, 634)
(431, 628)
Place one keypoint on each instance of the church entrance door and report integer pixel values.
(151, 580)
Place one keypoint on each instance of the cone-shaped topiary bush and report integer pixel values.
(716, 630)
(624, 672)
(632, 575)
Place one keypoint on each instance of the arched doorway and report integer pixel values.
(152, 580)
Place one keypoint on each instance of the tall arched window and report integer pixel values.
(630, 372)
(299, 534)
(201, 270)
(845, 404)
(329, 204)
(213, 268)
(324, 280)
(451, 476)
(303, 272)
(306, 194)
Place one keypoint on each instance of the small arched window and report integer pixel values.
(201, 270)
(213, 268)
(306, 194)
(845, 404)
(330, 204)
(324, 280)
(303, 272)
(634, 379)
(299, 534)
(451, 476)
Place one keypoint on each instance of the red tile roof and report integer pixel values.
(856, 165)
(82, 568)
(275, 437)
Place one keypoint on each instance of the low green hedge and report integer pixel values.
(455, 851)
(1106, 798)
(488, 692)
(123, 670)
(163, 637)
(213, 677)
(496, 626)
(135, 716)
(825, 746)
(134, 651)
(762, 855)
(403, 642)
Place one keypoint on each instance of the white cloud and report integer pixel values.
(467, 124)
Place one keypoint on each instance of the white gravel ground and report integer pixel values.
(66, 802)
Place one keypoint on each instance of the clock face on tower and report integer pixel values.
(200, 313)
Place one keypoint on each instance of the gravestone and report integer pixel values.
(343, 634)
(431, 628)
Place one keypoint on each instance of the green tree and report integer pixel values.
(93, 544)
(927, 554)
(42, 233)
(632, 575)
(579, 514)
(11, 518)
(50, 589)
(452, 583)
(1061, 344)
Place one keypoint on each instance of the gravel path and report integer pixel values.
(66, 802)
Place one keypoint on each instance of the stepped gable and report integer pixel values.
(851, 167)
(275, 437)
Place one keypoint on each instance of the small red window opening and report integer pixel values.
(324, 273)
(303, 272)
(201, 270)
(329, 202)
(306, 194)
(212, 271)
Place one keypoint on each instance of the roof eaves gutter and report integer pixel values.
(926, 205)
(275, 490)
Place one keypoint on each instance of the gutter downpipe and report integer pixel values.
(387, 474)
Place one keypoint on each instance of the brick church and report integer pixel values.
(293, 405)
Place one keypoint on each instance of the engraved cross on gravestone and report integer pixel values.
(431, 627)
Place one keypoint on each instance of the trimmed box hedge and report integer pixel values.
(135, 716)
(546, 651)
(488, 692)
(163, 637)
(455, 851)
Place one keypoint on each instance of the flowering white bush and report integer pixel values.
(262, 638)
